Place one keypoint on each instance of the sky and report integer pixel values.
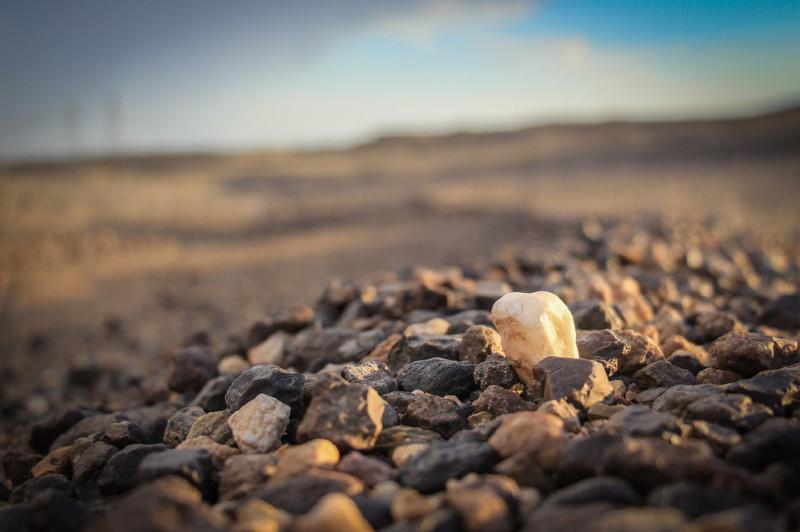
(94, 77)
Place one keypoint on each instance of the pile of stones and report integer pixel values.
(636, 378)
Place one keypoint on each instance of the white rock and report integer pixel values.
(258, 426)
(532, 327)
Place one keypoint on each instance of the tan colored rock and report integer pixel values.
(532, 327)
(409, 504)
(259, 425)
(536, 434)
(296, 459)
(232, 365)
(478, 342)
(749, 353)
(58, 461)
(563, 409)
(434, 326)
(271, 350)
(258, 516)
(404, 453)
(335, 512)
(219, 453)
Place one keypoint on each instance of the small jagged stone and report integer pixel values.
(676, 398)
(34, 486)
(663, 374)
(778, 389)
(582, 382)
(349, 415)
(396, 436)
(123, 433)
(750, 353)
(219, 453)
(119, 473)
(152, 419)
(258, 426)
(333, 513)
(438, 376)
(603, 411)
(782, 313)
(498, 401)
(364, 343)
(686, 360)
(312, 349)
(429, 470)
(729, 410)
(169, 504)
(295, 459)
(180, 423)
(421, 347)
(211, 397)
(536, 434)
(213, 425)
(190, 367)
(624, 351)
(372, 373)
(193, 465)
(90, 461)
(270, 351)
(57, 462)
(232, 366)
(285, 386)
(244, 473)
(495, 370)
(432, 412)
(532, 327)
(591, 314)
(564, 410)
(370, 471)
(45, 431)
(639, 420)
(479, 342)
(718, 437)
(460, 322)
(86, 427)
(290, 320)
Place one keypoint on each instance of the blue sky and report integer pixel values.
(92, 76)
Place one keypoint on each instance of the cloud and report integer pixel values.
(420, 25)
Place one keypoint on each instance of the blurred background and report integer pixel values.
(169, 167)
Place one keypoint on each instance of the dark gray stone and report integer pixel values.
(285, 386)
(372, 373)
(211, 397)
(438, 376)
(430, 470)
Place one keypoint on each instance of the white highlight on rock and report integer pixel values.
(532, 327)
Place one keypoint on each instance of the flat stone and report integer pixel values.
(119, 473)
(438, 376)
(429, 470)
(421, 347)
(88, 464)
(676, 398)
(582, 382)
(623, 351)
(729, 410)
(259, 425)
(495, 370)
(532, 327)
(285, 386)
(189, 368)
(663, 374)
(749, 353)
(372, 373)
(479, 342)
(86, 427)
(778, 389)
(349, 415)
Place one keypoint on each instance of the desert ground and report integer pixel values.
(108, 263)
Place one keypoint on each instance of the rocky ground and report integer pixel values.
(390, 406)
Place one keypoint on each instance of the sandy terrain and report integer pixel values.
(112, 262)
